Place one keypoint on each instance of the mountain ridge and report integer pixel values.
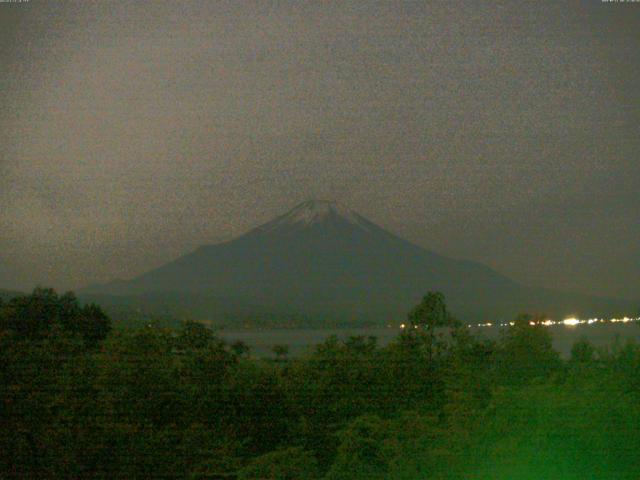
(322, 258)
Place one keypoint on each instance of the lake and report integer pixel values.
(303, 340)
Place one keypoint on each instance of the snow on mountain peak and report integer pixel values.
(313, 212)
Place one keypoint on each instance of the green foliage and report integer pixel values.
(194, 335)
(361, 453)
(291, 463)
(281, 351)
(525, 352)
(43, 312)
(94, 324)
(568, 431)
(582, 352)
(163, 403)
(429, 314)
(240, 348)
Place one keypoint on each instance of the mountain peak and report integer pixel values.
(323, 260)
(313, 212)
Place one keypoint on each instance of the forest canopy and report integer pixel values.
(79, 401)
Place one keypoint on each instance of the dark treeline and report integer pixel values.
(81, 401)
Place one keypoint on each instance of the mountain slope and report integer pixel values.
(323, 259)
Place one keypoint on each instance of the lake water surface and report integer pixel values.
(302, 340)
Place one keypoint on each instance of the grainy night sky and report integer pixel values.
(502, 132)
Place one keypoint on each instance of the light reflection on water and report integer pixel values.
(301, 340)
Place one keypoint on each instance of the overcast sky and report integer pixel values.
(503, 132)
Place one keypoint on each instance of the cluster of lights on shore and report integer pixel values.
(571, 321)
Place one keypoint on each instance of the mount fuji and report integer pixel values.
(321, 260)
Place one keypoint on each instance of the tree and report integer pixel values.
(525, 351)
(361, 344)
(361, 453)
(430, 314)
(240, 348)
(43, 313)
(280, 351)
(95, 325)
(32, 316)
(582, 352)
(194, 335)
(144, 369)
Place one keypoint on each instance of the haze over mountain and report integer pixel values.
(322, 259)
